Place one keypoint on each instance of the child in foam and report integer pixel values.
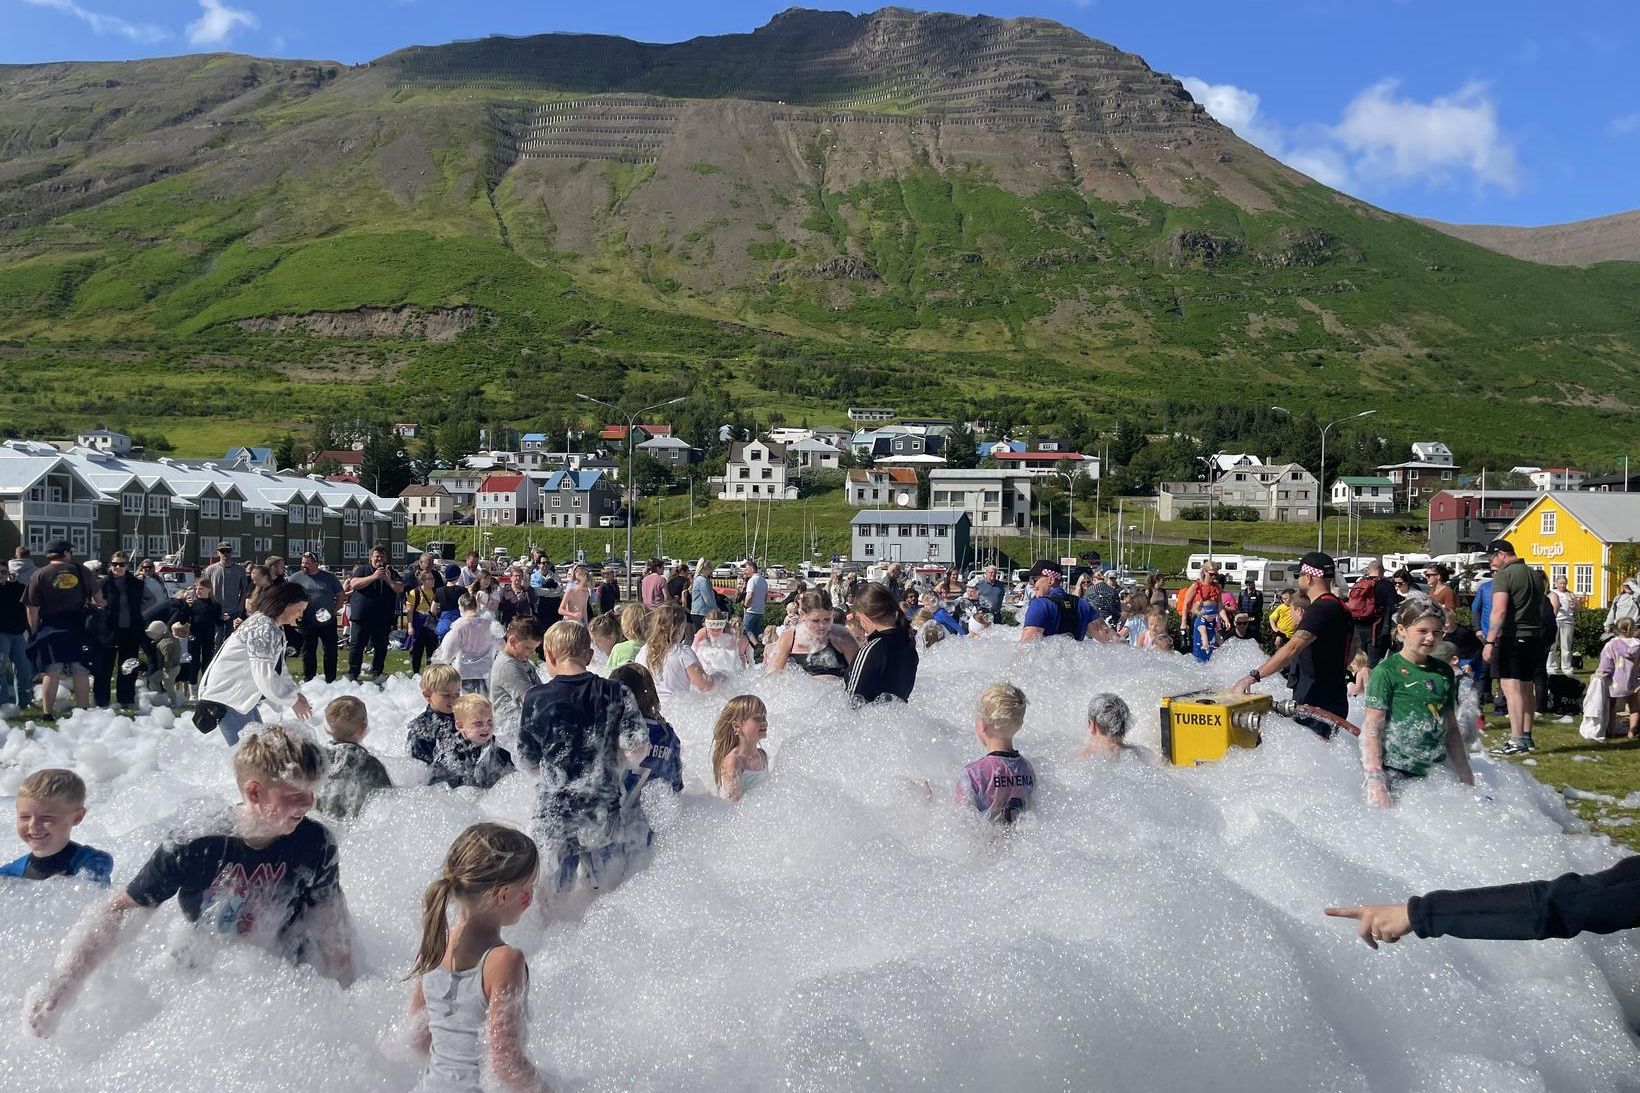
(440, 686)
(261, 872)
(1109, 720)
(50, 804)
(472, 757)
(471, 645)
(738, 763)
(574, 732)
(634, 619)
(354, 773)
(1000, 783)
(1412, 723)
(674, 664)
(720, 647)
(661, 759)
(468, 1009)
(1617, 666)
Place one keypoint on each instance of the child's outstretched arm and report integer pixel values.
(506, 977)
(1372, 758)
(96, 939)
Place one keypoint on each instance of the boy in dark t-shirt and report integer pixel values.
(263, 872)
(573, 731)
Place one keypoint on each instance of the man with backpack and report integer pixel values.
(1051, 612)
(1370, 604)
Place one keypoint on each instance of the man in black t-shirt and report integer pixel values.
(373, 600)
(263, 873)
(56, 600)
(1321, 645)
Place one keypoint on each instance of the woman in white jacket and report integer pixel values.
(249, 668)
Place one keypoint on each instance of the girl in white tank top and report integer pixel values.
(469, 1006)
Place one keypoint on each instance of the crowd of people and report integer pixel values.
(524, 675)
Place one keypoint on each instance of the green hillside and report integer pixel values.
(186, 247)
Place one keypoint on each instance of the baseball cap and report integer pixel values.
(224, 547)
(58, 547)
(1317, 564)
(1500, 546)
(1044, 566)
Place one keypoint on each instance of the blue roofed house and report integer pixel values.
(577, 499)
(250, 459)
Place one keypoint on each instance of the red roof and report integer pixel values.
(618, 432)
(501, 483)
(346, 457)
(903, 476)
(1037, 457)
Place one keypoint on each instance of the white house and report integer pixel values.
(992, 497)
(505, 499)
(1363, 493)
(1432, 451)
(870, 413)
(1549, 479)
(429, 505)
(756, 471)
(881, 485)
(810, 454)
(105, 440)
(1285, 492)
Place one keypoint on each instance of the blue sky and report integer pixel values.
(1510, 111)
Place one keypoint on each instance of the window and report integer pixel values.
(131, 544)
(1556, 573)
(905, 531)
(398, 519)
(1546, 522)
(232, 510)
(1583, 580)
(264, 546)
(876, 495)
(210, 508)
(768, 472)
(993, 497)
(316, 514)
(350, 549)
(38, 493)
(351, 518)
(922, 530)
(36, 537)
(131, 504)
(882, 529)
(942, 531)
(870, 550)
(235, 542)
(156, 546)
(745, 472)
(264, 519)
(739, 489)
(158, 504)
(81, 536)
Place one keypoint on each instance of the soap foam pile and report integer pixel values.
(845, 927)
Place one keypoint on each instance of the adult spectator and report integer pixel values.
(469, 572)
(677, 586)
(516, 600)
(1515, 640)
(373, 594)
(16, 674)
(549, 594)
(1103, 596)
(1051, 612)
(702, 596)
(894, 581)
(1205, 588)
(1156, 592)
(156, 602)
(56, 599)
(1571, 904)
(1371, 606)
(318, 626)
(1480, 612)
(249, 669)
(230, 584)
(1565, 602)
(426, 562)
(1439, 580)
(990, 591)
(609, 593)
(753, 601)
(1624, 605)
(277, 571)
(122, 635)
(421, 614)
(1320, 647)
(652, 593)
(1251, 604)
(25, 565)
(886, 664)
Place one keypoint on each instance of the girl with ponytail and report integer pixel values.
(468, 1007)
(672, 663)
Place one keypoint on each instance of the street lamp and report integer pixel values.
(1321, 476)
(631, 486)
(1212, 462)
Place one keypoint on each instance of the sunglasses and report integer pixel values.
(116, 565)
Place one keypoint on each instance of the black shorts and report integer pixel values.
(1519, 658)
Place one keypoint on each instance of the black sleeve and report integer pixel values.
(870, 676)
(1571, 904)
(529, 739)
(162, 876)
(1384, 594)
(327, 876)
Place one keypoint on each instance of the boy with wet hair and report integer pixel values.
(512, 675)
(261, 872)
(605, 631)
(50, 804)
(440, 686)
(471, 757)
(1000, 783)
(353, 773)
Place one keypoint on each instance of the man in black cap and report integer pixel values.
(1321, 643)
(1516, 646)
(1052, 612)
(57, 597)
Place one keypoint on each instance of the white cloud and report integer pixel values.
(1381, 140)
(1627, 124)
(217, 22)
(105, 24)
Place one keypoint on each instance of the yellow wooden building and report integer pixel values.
(1571, 534)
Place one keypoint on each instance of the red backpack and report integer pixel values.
(1362, 604)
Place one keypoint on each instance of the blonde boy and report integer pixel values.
(261, 872)
(50, 804)
(1001, 783)
(472, 757)
(354, 773)
(440, 686)
(605, 631)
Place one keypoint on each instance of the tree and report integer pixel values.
(425, 460)
(384, 467)
(962, 448)
(285, 454)
(649, 474)
(457, 440)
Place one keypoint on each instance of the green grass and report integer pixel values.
(1564, 759)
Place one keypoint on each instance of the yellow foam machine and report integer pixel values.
(1201, 726)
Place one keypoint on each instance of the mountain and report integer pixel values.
(1614, 238)
(955, 215)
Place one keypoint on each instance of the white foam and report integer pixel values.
(840, 929)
